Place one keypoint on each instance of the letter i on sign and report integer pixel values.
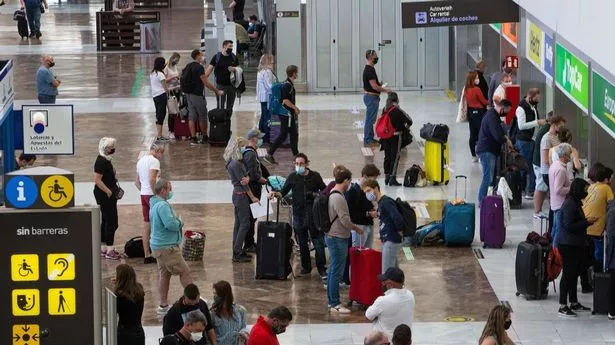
(21, 192)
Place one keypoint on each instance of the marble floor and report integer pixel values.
(111, 98)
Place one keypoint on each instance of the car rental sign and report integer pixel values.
(459, 12)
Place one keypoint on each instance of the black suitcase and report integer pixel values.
(513, 179)
(601, 288)
(273, 248)
(530, 271)
(22, 23)
(219, 133)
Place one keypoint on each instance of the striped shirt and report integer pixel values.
(227, 330)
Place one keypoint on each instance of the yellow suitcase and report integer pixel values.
(436, 162)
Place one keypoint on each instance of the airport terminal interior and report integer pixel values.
(456, 287)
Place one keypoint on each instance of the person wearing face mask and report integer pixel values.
(191, 333)
(361, 209)
(46, 83)
(305, 184)
(496, 79)
(477, 106)
(559, 186)
(491, 137)
(572, 227)
(391, 223)
(193, 81)
(500, 93)
(266, 329)
(174, 87)
(222, 64)
(173, 321)
(392, 146)
(257, 179)
(148, 172)
(106, 191)
(396, 307)
(229, 318)
(165, 241)
(371, 99)
(496, 326)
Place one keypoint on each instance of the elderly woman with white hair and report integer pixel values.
(107, 192)
(242, 196)
(559, 184)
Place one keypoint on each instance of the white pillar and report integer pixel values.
(288, 38)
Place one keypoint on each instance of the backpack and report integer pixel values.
(554, 264)
(321, 212)
(384, 126)
(186, 84)
(409, 216)
(134, 248)
(428, 235)
(414, 176)
(275, 100)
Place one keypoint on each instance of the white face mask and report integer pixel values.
(196, 336)
(476, 81)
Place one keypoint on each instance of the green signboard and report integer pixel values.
(603, 103)
(572, 76)
(497, 27)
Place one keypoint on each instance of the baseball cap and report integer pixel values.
(254, 133)
(394, 274)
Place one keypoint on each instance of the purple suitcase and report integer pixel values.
(492, 229)
(274, 131)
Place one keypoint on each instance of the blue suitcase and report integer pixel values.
(458, 220)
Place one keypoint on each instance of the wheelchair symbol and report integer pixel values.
(57, 191)
(25, 269)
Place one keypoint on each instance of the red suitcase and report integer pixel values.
(182, 130)
(365, 266)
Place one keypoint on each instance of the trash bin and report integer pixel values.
(150, 36)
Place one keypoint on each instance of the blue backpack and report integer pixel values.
(275, 100)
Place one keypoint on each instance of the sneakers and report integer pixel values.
(195, 142)
(171, 136)
(250, 249)
(103, 253)
(242, 258)
(149, 260)
(204, 139)
(579, 307)
(323, 275)
(529, 196)
(162, 139)
(269, 159)
(566, 312)
(344, 285)
(611, 317)
(112, 255)
(474, 159)
(339, 309)
(162, 310)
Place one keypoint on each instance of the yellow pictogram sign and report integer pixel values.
(26, 335)
(26, 302)
(62, 301)
(61, 266)
(57, 191)
(24, 267)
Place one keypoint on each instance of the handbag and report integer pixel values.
(42, 8)
(172, 104)
(462, 110)
(193, 246)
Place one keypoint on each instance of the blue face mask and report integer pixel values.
(243, 150)
(170, 195)
(299, 169)
(259, 142)
(371, 196)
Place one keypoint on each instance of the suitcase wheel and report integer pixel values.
(517, 294)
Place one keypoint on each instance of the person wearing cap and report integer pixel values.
(396, 307)
(257, 180)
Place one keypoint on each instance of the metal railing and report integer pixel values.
(111, 317)
(142, 4)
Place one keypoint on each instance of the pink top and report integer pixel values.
(559, 184)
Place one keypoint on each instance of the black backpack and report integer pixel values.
(186, 83)
(321, 212)
(412, 175)
(134, 248)
(409, 216)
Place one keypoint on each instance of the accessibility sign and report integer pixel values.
(40, 187)
(61, 267)
(62, 301)
(26, 335)
(57, 191)
(26, 302)
(24, 267)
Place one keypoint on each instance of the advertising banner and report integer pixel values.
(572, 76)
(509, 31)
(459, 12)
(603, 103)
(539, 49)
(48, 129)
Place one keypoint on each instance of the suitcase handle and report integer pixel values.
(465, 189)
(277, 215)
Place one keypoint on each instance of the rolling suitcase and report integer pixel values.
(436, 162)
(601, 287)
(274, 131)
(492, 229)
(458, 219)
(531, 270)
(22, 23)
(273, 248)
(219, 126)
(182, 130)
(513, 179)
(365, 266)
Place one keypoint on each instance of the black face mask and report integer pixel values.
(173, 62)
(51, 64)
(375, 60)
(229, 51)
(507, 324)
(111, 151)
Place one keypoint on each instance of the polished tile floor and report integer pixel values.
(111, 98)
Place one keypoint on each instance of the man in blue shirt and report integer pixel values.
(46, 83)
(33, 12)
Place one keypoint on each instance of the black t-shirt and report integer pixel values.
(176, 339)
(196, 71)
(369, 73)
(288, 92)
(104, 167)
(223, 75)
(238, 9)
(304, 189)
(129, 312)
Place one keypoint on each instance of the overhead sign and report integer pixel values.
(572, 76)
(40, 187)
(459, 12)
(512, 61)
(7, 91)
(496, 26)
(48, 129)
(509, 31)
(603, 103)
(539, 49)
(52, 285)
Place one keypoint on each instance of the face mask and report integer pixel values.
(476, 81)
(217, 299)
(170, 195)
(375, 60)
(507, 324)
(534, 102)
(196, 336)
(507, 83)
(173, 62)
(371, 196)
(278, 329)
(299, 169)
(229, 51)
(111, 151)
(259, 142)
(51, 64)
(251, 25)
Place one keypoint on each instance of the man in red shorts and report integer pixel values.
(148, 172)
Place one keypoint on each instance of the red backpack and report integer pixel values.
(384, 126)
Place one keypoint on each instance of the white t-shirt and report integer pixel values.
(144, 166)
(546, 143)
(391, 310)
(172, 72)
(155, 82)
